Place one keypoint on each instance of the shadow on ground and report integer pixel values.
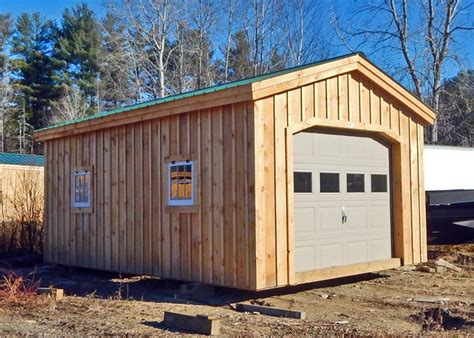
(99, 284)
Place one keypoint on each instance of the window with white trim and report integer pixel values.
(181, 183)
(81, 188)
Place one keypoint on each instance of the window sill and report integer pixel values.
(82, 210)
(182, 209)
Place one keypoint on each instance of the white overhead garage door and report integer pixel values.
(341, 201)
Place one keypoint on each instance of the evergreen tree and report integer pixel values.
(240, 63)
(78, 50)
(33, 71)
(5, 32)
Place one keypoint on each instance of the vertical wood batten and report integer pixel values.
(217, 206)
(99, 203)
(147, 199)
(422, 196)
(122, 189)
(48, 250)
(196, 225)
(280, 174)
(79, 216)
(129, 184)
(206, 195)
(250, 197)
(60, 208)
(414, 192)
(73, 217)
(229, 189)
(406, 196)
(92, 216)
(114, 200)
(165, 216)
(67, 201)
(260, 239)
(269, 182)
(157, 199)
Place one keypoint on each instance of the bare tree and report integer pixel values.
(422, 33)
(229, 12)
(72, 105)
(262, 24)
(204, 19)
(305, 32)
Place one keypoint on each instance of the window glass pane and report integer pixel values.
(181, 181)
(329, 182)
(82, 186)
(379, 183)
(303, 182)
(188, 180)
(355, 183)
(77, 188)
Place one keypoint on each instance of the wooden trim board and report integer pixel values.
(346, 270)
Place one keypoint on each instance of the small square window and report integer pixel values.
(329, 182)
(81, 189)
(355, 183)
(303, 181)
(378, 182)
(181, 183)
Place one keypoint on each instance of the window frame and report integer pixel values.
(306, 171)
(387, 182)
(82, 207)
(339, 182)
(363, 185)
(173, 203)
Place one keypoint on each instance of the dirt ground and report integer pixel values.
(397, 302)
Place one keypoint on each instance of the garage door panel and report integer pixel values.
(327, 146)
(356, 217)
(303, 145)
(331, 254)
(330, 219)
(355, 148)
(320, 230)
(305, 217)
(357, 252)
(304, 257)
(378, 217)
(380, 249)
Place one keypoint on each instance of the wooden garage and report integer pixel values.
(217, 185)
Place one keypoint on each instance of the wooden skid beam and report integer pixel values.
(57, 294)
(197, 324)
(270, 311)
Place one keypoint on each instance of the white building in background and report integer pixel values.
(448, 168)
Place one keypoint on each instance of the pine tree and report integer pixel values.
(6, 22)
(240, 64)
(32, 72)
(77, 51)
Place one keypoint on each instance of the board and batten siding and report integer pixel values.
(130, 228)
(346, 102)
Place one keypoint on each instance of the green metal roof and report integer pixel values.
(198, 92)
(22, 159)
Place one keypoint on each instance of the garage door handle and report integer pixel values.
(344, 215)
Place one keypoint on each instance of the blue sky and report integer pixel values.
(51, 9)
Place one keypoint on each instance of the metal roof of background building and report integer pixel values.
(22, 159)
